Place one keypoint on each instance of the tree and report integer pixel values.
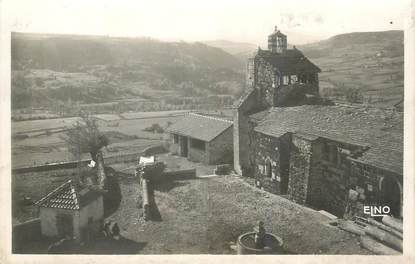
(85, 137)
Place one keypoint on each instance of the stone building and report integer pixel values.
(202, 138)
(71, 211)
(336, 158)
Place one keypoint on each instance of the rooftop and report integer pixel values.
(379, 129)
(201, 127)
(68, 196)
(289, 61)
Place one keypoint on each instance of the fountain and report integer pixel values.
(259, 242)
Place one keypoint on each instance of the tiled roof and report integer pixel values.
(380, 130)
(201, 127)
(291, 60)
(68, 196)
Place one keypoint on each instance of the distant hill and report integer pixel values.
(95, 69)
(66, 52)
(241, 50)
(371, 62)
(232, 47)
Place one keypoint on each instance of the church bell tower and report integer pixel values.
(277, 42)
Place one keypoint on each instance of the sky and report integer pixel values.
(235, 20)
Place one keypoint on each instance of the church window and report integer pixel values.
(294, 79)
(285, 80)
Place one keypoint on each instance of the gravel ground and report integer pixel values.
(205, 216)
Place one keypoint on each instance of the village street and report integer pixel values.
(205, 215)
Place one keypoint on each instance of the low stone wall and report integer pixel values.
(27, 231)
(176, 175)
(150, 151)
(50, 166)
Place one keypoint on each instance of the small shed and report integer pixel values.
(71, 211)
(202, 138)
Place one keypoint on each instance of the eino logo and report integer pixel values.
(376, 210)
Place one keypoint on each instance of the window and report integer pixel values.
(268, 169)
(285, 80)
(197, 144)
(294, 79)
(175, 139)
(330, 153)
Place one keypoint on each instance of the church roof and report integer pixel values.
(68, 196)
(201, 127)
(289, 61)
(378, 129)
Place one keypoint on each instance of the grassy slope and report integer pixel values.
(92, 69)
(371, 61)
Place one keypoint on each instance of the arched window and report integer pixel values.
(391, 195)
(268, 168)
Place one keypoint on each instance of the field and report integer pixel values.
(370, 62)
(37, 142)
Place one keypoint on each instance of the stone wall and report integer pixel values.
(197, 155)
(271, 159)
(95, 211)
(241, 130)
(365, 188)
(48, 221)
(265, 83)
(220, 149)
(300, 165)
(328, 179)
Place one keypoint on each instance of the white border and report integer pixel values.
(5, 182)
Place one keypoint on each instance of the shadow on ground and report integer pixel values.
(111, 246)
(154, 210)
(113, 197)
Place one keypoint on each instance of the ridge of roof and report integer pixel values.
(211, 117)
(202, 127)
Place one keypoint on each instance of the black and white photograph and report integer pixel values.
(208, 127)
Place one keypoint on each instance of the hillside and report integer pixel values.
(94, 69)
(367, 63)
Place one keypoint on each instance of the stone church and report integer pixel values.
(331, 157)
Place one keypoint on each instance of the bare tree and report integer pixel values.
(85, 137)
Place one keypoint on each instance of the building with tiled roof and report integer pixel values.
(336, 158)
(202, 138)
(379, 131)
(71, 211)
(280, 75)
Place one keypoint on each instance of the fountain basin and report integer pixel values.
(246, 244)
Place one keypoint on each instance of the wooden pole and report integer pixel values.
(377, 247)
(393, 222)
(385, 228)
(384, 237)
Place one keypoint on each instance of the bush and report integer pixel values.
(354, 95)
(155, 128)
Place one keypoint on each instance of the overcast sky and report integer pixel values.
(235, 20)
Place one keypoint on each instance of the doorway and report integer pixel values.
(390, 195)
(183, 146)
(64, 225)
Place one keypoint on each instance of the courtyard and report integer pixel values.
(206, 214)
